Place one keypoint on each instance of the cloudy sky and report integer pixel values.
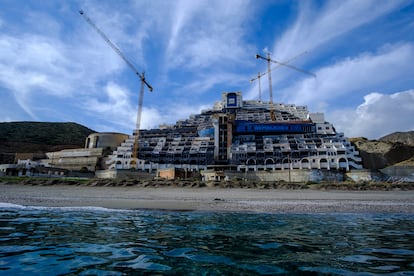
(55, 67)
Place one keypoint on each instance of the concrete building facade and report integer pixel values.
(90, 158)
(242, 136)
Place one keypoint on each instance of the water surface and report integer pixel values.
(96, 241)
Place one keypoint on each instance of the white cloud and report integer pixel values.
(114, 108)
(125, 31)
(36, 68)
(30, 61)
(353, 76)
(379, 115)
(6, 119)
(182, 12)
(314, 28)
(207, 32)
(153, 117)
(205, 82)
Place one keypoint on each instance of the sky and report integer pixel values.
(54, 66)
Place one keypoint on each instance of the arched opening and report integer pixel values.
(324, 163)
(251, 161)
(286, 163)
(343, 163)
(305, 164)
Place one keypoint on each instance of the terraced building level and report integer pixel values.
(240, 135)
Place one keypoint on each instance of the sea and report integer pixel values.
(98, 241)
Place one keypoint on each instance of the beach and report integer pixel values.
(210, 199)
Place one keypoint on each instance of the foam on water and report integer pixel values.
(5, 205)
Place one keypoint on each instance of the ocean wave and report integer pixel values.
(6, 205)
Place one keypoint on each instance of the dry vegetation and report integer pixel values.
(240, 184)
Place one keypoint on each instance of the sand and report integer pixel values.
(210, 199)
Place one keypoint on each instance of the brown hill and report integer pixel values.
(406, 138)
(38, 138)
(387, 151)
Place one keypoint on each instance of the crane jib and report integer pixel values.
(141, 76)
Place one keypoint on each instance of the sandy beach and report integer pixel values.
(210, 199)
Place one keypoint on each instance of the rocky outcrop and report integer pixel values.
(406, 138)
(387, 151)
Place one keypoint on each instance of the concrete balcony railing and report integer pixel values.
(354, 165)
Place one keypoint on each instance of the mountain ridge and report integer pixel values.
(39, 138)
(399, 137)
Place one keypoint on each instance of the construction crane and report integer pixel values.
(269, 61)
(141, 77)
(259, 75)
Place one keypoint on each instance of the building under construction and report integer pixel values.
(241, 136)
(235, 135)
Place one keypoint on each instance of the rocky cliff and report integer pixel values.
(406, 138)
(389, 150)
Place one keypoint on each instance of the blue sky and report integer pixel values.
(55, 67)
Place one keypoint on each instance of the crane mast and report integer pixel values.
(269, 69)
(141, 77)
(259, 75)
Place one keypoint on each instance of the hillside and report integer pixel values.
(39, 137)
(406, 138)
(395, 148)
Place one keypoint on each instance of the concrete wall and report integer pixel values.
(75, 159)
(176, 173)
(307, 175)
(288, 176)
(399, 171)
(130, 174)
(166, 173)
(364, 175)
(105, 140)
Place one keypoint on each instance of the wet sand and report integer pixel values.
(210, 199)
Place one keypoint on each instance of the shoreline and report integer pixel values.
(210, 199)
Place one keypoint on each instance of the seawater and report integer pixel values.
(96, 241)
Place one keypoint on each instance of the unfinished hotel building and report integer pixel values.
(241, 136)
